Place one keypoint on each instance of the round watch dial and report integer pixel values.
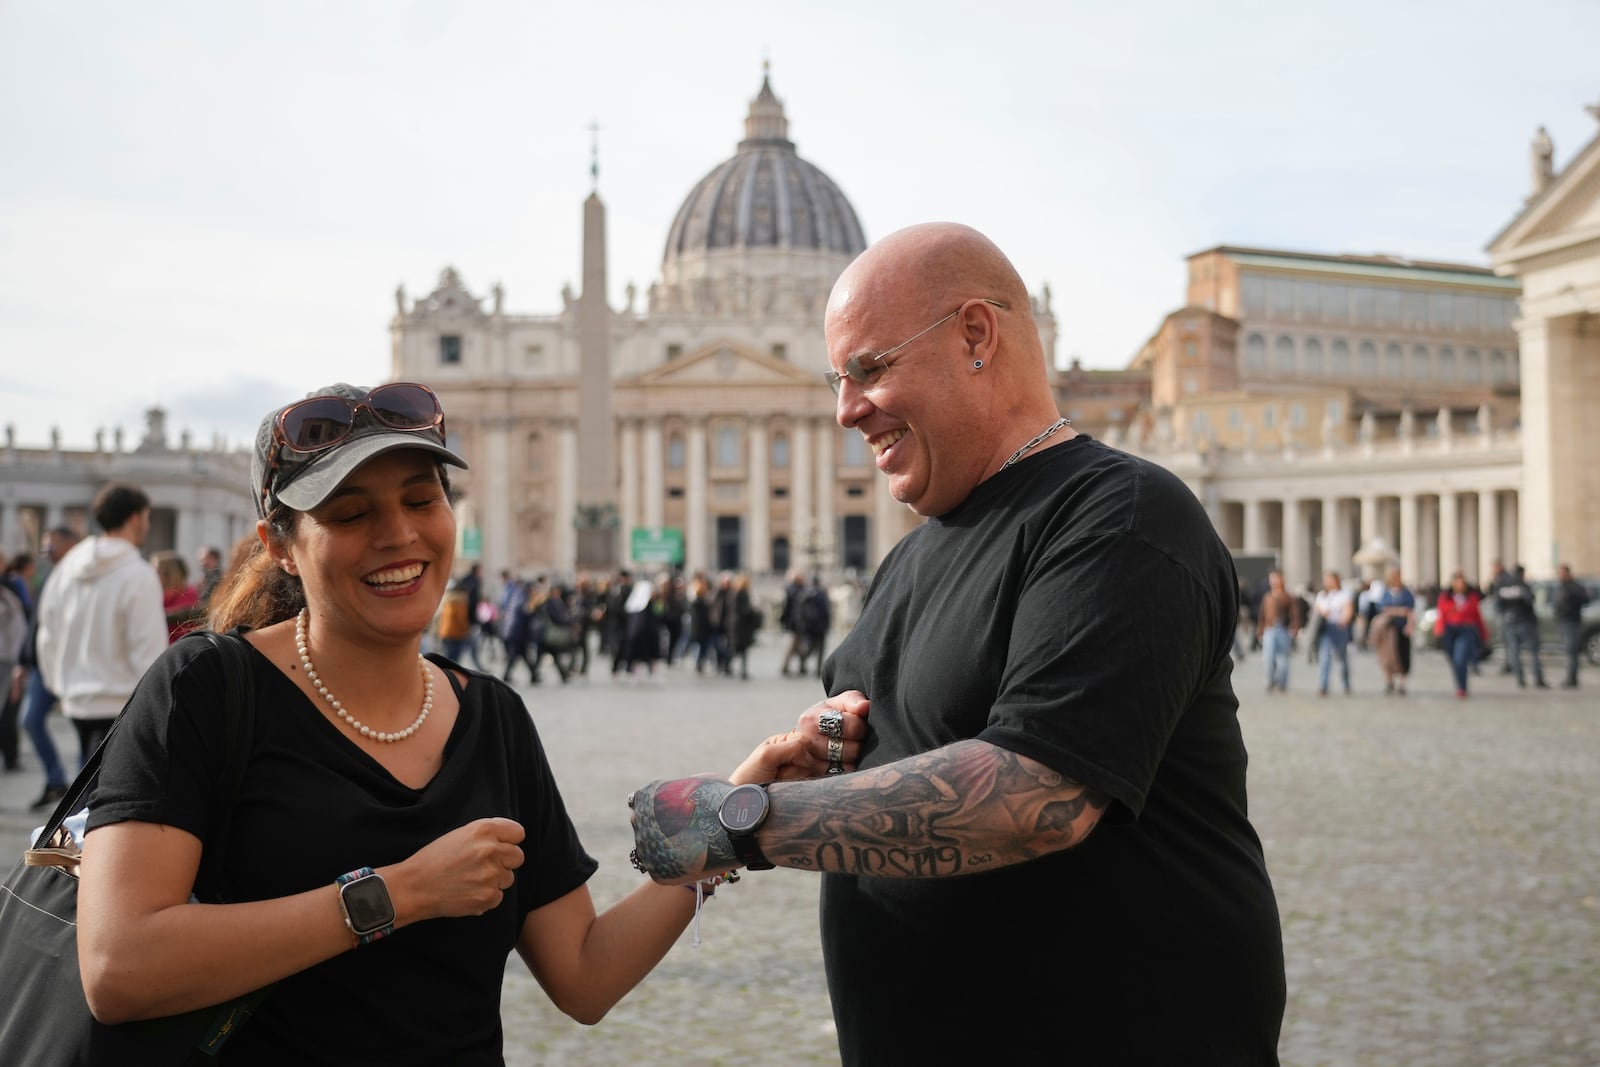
(743, 809)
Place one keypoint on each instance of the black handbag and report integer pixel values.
(44, 1017)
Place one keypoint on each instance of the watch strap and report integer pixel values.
(749, 852)
(369, 936)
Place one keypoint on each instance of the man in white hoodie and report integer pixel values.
(101, 623)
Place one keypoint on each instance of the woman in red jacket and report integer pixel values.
(1460, 628)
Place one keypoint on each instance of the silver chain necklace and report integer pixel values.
(1025, 449)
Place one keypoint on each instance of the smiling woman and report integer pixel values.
(388, 796)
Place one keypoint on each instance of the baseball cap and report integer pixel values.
(302, 461)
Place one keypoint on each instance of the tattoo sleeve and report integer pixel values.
(964, 808)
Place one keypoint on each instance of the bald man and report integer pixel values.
(1043, 852)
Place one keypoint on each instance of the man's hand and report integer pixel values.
(805, 752)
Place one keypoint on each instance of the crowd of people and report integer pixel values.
(640, 624)
(1382, 617)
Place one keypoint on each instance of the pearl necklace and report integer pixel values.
(355, 724)
(1025, 449)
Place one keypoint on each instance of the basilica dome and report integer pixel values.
(766, 199)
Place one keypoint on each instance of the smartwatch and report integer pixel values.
(742, 812)
(364, 899)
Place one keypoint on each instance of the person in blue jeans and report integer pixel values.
(1336, 608)
(1277, 625)
(1459, 626)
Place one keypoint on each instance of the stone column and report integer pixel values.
(697, 543)
(1295, 560)
(654, 473)
(800, 487)
(1255, 535)
(1336, 551)
(628, 506)
(827, 434)
(1510, 523)
(495, 501)
(1368, 518)
(759, 485)
(1410, 557)
(1449, 535)
(1428, 537)
(1488, 533)
(564, 536)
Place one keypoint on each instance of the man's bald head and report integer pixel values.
(929, 267)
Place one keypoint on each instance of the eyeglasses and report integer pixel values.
(861, 368)
(319, 423)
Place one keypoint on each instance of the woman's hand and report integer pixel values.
(804, 751)
(466, 872)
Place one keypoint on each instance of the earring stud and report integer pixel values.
(977, 364)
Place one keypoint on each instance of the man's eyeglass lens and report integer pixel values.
(324, 421)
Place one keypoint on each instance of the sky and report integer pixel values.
(209, 206)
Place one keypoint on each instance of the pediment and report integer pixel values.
(727, 363)
(1567, 212)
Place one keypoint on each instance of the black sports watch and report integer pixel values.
(741, 814)
(364, 899)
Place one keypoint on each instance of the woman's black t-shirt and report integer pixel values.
(312, 806)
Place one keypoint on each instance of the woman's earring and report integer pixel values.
(977, 364)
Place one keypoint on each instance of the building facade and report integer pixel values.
(1552, 247)
(695, 414)
(199, 496)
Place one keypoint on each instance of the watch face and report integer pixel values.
(743, 809)
(366, 902)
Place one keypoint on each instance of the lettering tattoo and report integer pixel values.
(968, 807)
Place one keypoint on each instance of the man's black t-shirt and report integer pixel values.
(1078, 609)
(313, 806)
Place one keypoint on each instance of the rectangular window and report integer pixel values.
(1388, 307)
(449, 349)
(1253, 294)
(1335, 302)
(780, 351)
(533, 356)
(1297, 415)
(674, 351)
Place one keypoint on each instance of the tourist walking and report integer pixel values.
(1335, 610)
(1391, 638)
(1458, 624)
(1570, 597)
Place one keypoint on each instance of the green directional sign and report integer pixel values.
(656, 544)
(471, 542)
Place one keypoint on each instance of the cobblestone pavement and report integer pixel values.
(1437, 865)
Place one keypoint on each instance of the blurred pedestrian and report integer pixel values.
(1458, 623)
(1392, 632)
(1335, 610)
(179, 599)
(1520, 623)
(1570, 597)
(1278, 622)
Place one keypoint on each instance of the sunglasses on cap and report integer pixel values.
(319, 423)
(324, 421)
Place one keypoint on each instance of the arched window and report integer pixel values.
(675, 452)
(1420, 363)
(1499, 372)
(1472, 367)
(780, 451)
(1314, 356)
(727, 447)
(1255, 352)
(1445, 370)
(1341, 359)
(1394, 362)
(1367, 360)
(1283, 354)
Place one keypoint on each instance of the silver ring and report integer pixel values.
(835, 750)
(831, 723)
(633, 858)
(835, 767)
